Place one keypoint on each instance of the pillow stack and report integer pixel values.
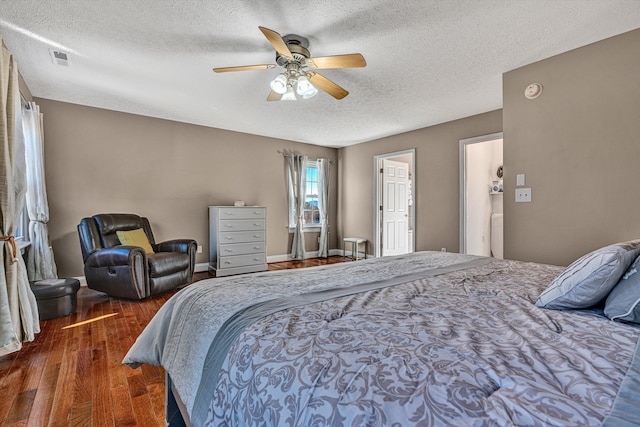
(604, 275)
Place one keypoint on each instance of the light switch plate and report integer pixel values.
(523, 195)
(520, 180)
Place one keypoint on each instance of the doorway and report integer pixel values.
(481, 196)
(394, 207)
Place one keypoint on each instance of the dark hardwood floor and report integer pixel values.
(72, 374)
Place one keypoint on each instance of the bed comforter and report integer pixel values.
(421, 339)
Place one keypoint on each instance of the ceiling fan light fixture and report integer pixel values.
(292, 55)
(304, 86)
(279, 84)
(289, 94)
(313, 92)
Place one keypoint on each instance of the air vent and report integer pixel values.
(59, 58)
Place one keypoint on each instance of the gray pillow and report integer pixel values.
(623, 303)
(588, 280)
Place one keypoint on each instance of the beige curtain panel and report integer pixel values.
(18, 310)
(297, 166)
(323, 206)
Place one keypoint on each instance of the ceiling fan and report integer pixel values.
(293, 55)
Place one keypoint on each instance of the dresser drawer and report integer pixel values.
(242, 213)
(241, 260)
(242, 248)
(241, 237)
(242, 224)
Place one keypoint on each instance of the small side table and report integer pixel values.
(355, 247)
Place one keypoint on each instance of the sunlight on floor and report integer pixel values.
(95, 319)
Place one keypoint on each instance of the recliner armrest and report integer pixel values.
(186, 246)
(177, 245)
(115, 256)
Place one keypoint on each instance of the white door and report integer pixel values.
(395, 214)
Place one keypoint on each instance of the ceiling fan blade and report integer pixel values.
(276, 40)
(352, 60)
(274, 96)
(327, 85)
(244, 68)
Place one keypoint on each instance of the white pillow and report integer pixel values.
(588, 280)
(623, 303)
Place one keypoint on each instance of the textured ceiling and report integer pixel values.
(428, 61)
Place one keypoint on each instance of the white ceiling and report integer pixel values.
(428, 61)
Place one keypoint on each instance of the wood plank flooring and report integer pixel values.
(75, 376)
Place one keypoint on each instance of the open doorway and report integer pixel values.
(394, 207)
(481, 196)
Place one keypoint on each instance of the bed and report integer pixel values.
(423, 339)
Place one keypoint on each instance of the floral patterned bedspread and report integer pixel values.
(468, 348)
(463, 348)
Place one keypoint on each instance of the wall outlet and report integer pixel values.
(443, 249)
(199, 249)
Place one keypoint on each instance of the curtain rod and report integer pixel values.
(25, 103)
(285, 154)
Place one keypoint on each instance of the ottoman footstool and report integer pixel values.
(56, 297)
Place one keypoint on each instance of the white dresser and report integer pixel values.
(237, 239)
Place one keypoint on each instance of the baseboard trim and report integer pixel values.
(200, 267)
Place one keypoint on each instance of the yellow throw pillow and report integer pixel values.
(135, 237)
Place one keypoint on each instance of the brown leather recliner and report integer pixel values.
(129, 271)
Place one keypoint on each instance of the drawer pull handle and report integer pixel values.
(256, 247)
(256, 236)
(228, 226)
(257, 225)
(256, 259)
(229, 238)
(228, 250)
(227, 262)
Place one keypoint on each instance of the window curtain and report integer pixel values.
(323, 201)
(18, 310)
(297, 166)
(40, 261)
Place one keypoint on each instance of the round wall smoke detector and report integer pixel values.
(533, 91)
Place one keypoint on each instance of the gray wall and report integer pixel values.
(105, 161)
(436, 180)
(579, 146)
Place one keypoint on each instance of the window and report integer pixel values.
(311, 213)
(22, 228)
